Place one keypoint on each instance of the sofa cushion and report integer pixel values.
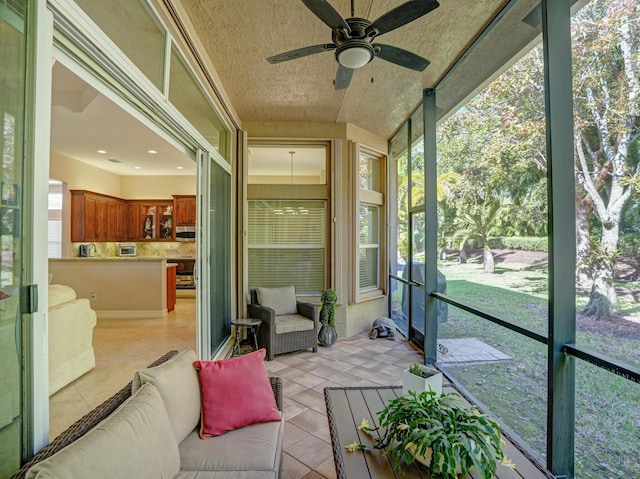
(177, 382)
(253, 448)
(135, 441)
(235, 392)
(291, 323)
(281, 300)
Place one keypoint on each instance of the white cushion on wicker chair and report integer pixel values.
(291, 323)
(281, 300)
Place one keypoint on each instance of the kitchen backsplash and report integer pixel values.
(168, 249)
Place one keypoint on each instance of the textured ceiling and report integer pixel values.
(240, 34)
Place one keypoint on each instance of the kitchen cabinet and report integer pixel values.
(96, 217)
(150, 220)
(185, 210)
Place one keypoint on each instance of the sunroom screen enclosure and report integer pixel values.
(492, 205)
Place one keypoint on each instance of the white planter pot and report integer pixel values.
(411, 382)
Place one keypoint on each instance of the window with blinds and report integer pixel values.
(54, 225)
(369, 247)
(287, 244)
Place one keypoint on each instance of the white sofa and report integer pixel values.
(154, 433)
(71, 323)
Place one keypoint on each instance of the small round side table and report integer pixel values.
(251, 325)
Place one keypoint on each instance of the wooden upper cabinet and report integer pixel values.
(150, 220)
(98, 217)
(185, 210)
(94, 217)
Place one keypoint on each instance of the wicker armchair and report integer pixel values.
(287, 324)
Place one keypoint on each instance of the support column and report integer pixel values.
(556, 17)
(431, 226)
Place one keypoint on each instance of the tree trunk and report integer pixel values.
(487, 257)
(603, 298)
(584, 208)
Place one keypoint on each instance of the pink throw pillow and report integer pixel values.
(235, 392)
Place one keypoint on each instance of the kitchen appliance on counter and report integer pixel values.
(185, 233)
(126, 249)
(86, 250)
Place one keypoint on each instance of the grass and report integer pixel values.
(607, 406)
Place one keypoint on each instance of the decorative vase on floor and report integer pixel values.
(327, 335)
(412, 382)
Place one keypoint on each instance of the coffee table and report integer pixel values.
(347, 406)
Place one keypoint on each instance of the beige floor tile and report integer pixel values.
(293, 469)
(311, 451)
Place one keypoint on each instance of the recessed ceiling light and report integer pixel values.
(102, 152)
(113, 160)
(180, 167)
(137, 167)
(153, 152)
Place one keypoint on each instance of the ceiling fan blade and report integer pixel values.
(401, 57)
(325, 12)
(301, 52)
(402, 14)
(343, 77)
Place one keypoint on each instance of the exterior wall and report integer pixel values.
(350, 318)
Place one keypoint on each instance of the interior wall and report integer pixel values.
(156, 187)
(81, 176)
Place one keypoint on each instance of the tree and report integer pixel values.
(478, 226)
(606, 39)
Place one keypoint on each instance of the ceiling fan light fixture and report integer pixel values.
(355, 56)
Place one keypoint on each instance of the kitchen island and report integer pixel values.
(117, 287)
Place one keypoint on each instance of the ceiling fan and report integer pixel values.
(353, 38)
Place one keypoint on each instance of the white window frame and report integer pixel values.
(360, 197)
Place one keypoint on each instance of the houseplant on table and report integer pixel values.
(327, 334)
(441, 432)
(419, 377)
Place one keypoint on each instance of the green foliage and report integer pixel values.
(456, 435)
(522, 243)
(328, 310)
(422, 373)
(629, 244)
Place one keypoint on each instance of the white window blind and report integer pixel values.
(287, 244)
(369, 247)
(54, 227)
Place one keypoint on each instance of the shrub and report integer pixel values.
(629, 244)
(523, 243)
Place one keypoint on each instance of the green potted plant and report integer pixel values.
(419, 377)
(327, 335)
(444, 434)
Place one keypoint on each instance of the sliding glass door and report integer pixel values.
(12, 108)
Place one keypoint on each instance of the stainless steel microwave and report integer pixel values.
(185, 233)
(126, 249)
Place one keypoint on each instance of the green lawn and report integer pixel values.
(607, 407)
